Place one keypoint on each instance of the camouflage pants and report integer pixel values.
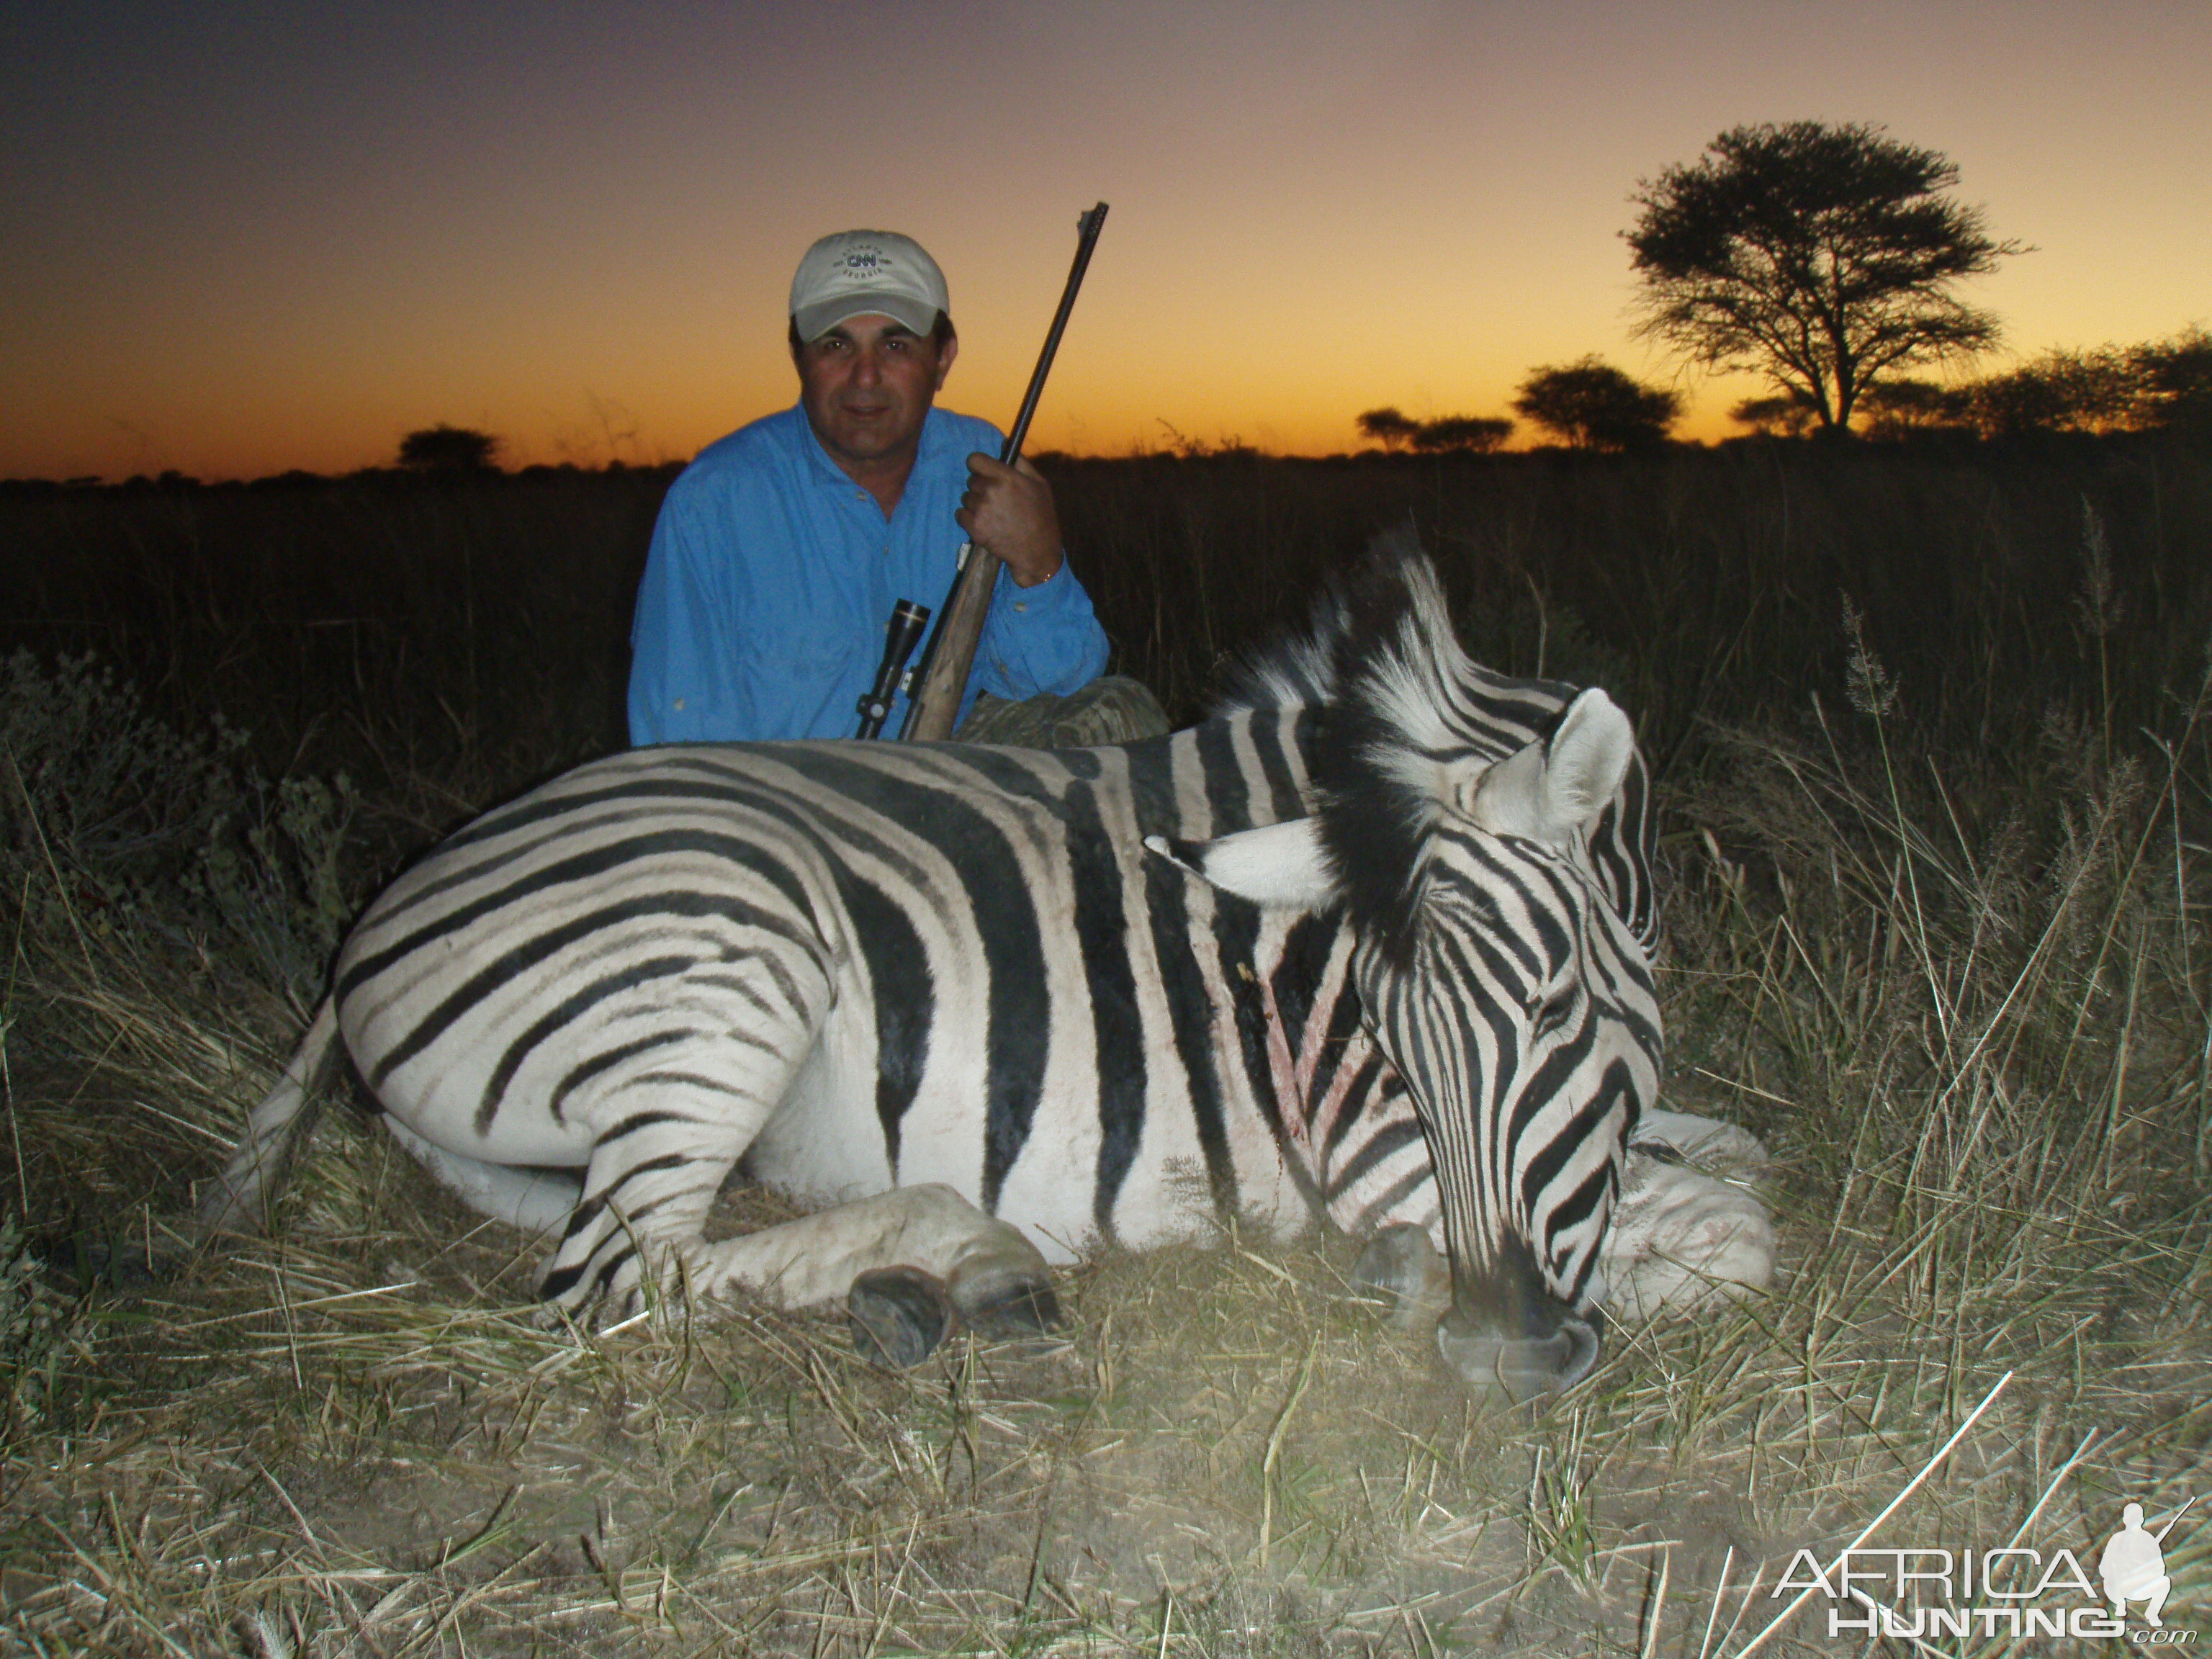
(1112, 710)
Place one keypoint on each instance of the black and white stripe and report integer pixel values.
(865, 967)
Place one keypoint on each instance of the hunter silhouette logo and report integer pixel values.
(2133, 1565)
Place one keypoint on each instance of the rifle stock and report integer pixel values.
(936, 705)
(951, 652)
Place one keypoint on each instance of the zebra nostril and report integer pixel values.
(1587, 1341)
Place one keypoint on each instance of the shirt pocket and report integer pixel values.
(802, 652)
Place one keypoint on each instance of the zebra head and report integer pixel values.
(1454, 815)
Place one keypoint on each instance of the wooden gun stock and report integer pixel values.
(943, 676)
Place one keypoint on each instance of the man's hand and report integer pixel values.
(1009, 510)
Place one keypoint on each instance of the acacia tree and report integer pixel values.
(1818, 256)
(1784, 415)
(1389, 426)
(450, 449)
(1904, 408)
(2176, 380)
(1461, 434)
(2062, 390)
(1593, 405)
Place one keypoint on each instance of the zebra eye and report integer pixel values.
(1546, 1014)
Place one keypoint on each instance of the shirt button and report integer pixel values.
(1021, 605)
(679, 705)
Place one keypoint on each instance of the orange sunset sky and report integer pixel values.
(238, 239)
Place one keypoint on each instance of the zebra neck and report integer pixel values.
(1341, 1119)
(1341, 1115)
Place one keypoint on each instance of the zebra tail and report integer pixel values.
(237, 1201)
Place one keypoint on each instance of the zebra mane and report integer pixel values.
(1403, 709)
(1295, 671)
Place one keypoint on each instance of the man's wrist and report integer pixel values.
(1043, 595)
(1024, 579)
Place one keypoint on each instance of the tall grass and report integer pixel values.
(437, 638)
(1700, 585)
(1935, 780)
(401, 628)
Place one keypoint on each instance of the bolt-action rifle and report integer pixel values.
(943, 674)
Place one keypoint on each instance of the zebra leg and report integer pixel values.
(907, 1263)
(1708, 1142)
(668, 1129)
(664, 1139)
(1681, 1240)
(642, 1204)
(640, 1218)
(535, 1200)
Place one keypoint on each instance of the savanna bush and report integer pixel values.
(118, 828)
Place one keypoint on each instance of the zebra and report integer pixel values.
(1368, 944)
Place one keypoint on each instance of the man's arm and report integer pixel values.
(677, 653)
(1044, 638)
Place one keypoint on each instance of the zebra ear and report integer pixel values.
(1282, 866)
(1553, 792)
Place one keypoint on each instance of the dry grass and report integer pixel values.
(1982, 1065)
(1966, 1004)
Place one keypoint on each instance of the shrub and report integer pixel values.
(1591, 404)
(1455, 435)
(113, 822)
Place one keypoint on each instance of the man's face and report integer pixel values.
(866, 385)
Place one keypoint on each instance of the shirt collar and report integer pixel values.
(828, 473)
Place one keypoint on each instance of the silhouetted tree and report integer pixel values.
(1783, 415)
(1464, 435)
(443, 448)
(1387, 427)
(1902, 407)
(1818, 256)
(1590, 404)
(2061, 391)
(2174, 380)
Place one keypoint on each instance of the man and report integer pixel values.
(781, 550)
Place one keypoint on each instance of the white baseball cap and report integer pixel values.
(862, 273)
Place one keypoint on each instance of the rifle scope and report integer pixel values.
(901, 635)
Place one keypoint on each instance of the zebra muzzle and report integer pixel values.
(1522, 1368)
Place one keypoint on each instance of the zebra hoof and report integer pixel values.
(899, 1315)
(1400, 1271)
(1012, 1307)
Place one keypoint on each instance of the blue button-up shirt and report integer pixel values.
(772, 574)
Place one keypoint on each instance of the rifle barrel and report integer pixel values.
(942, 679)
(1086, 235)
